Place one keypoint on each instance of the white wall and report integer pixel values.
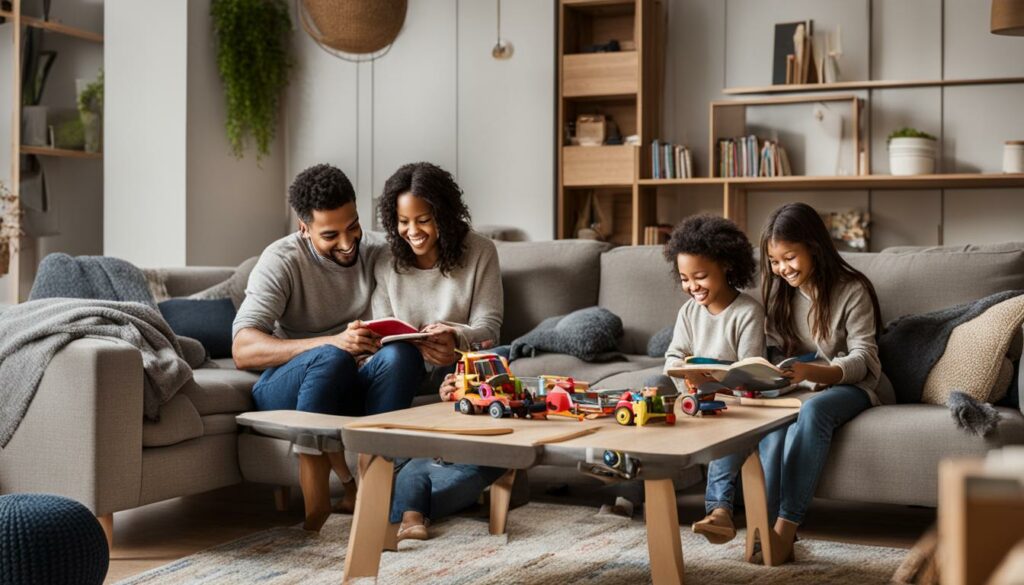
(144, 215)
(439, 96)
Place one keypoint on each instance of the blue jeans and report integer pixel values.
(326, 379)
(794, 456)
(438, 489)
(721, 490)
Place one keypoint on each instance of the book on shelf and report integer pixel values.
(670, 161)
(749, 156)
(656, 235)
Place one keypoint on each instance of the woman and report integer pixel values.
(443, 279)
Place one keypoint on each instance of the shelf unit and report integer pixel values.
(867, 84)
(21, 280)
(623, 86)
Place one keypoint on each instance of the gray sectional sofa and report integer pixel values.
(84, 435)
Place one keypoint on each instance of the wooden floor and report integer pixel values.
(160, 533)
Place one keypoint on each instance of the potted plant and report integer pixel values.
(252, 38)
(912, 152)
(10, 227)
(90, 109)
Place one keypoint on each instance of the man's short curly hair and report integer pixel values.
(437, 187)
(718, 239)
(319, 188)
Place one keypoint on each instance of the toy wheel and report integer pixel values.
(623, 415)
(496, 410)
(690, 406)
(465, 406)
(611, 458)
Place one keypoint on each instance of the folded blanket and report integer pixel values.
(590, 334)
(910, 346)
(31, 333)
(90, 277)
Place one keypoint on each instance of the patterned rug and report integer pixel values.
(547, 543)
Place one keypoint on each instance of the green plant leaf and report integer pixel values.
(252, 56)
(908, 132)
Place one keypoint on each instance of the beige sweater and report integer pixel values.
(471, 298)
(851, 346)
(734, 334)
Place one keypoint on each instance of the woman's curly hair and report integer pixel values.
(718, 239)
(319, 188)
(437, 187)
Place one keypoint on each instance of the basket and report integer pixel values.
(357, 27)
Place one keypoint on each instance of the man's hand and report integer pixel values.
(357, 339)
(447, 389)
(439, 348)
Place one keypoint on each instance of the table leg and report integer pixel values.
(315, 479)
(664, 544)
(756, 501)
(501, 495)
(370, 522)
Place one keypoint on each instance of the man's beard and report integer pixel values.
(355, 256)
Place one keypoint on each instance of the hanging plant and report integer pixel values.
(252, 56)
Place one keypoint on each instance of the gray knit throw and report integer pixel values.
(90, 277)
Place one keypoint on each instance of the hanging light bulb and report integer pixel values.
(502, 48)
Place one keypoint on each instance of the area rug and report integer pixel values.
(546, 543)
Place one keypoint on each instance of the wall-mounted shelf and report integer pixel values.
(801, 183)
(61, 152)
(56, 27)
(877, 84)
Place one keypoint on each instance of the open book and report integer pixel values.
(753, 377)
(391, 329)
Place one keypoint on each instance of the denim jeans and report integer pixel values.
(437, 489)
(326, 379)
(721, 490)
(794, 456)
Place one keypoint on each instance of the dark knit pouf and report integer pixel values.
(52, 540)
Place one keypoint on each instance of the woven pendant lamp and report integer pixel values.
(354, 30)
(1008, 17)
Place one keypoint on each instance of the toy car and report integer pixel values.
(642, 406)
(701, 399)
(483, 383)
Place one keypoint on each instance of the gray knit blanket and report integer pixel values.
(90, 277)
(31, 333)
(910, 346)
(590, 334)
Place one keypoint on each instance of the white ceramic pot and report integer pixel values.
(912, 156)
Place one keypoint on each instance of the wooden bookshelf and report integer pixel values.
(867, 84)
(55, 27)
(886, 182)
(60, 152)
(621, 85)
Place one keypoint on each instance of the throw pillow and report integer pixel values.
(233, 288)
(659, 342)
(975, 360)
(208, 321)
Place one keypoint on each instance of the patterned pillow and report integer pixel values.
(975, 361)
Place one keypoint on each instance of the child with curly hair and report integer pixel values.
(715, 260)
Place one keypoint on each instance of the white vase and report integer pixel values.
(33, 125)
(912, 156)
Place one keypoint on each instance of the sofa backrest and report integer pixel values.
(918, 282)
(642, 288)
(184, 281)
(544, 279)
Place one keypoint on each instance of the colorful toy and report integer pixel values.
(642, 406)
(483, 382)
(701, 399)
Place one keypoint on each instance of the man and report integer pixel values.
(301, 320)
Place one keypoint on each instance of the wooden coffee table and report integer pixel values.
(520, 444)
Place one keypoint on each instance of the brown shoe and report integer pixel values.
(717, 526)
(413, 532)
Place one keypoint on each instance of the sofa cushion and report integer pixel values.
(219, 424)
(1003, 247)
(638, 285)
(558, 364)
(891, 454)
(208, 321)
(233, 288)
(633, 379)
(220, 390)
(187, 280)
(543, 279)
(914, 283)
(178, 422)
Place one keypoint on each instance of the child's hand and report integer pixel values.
(447, 389)
(823, 375)
(798, 372)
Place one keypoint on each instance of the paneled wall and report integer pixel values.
(439, 96)
(714, 44)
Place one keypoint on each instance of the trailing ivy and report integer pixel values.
(252, 56)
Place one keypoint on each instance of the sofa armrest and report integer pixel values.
(82, 434)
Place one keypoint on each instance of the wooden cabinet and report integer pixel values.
(584, 166)
(600, 74)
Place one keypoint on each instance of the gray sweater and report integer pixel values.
(734, 334)
(851, 345)
(294, 293)
(470, 299)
